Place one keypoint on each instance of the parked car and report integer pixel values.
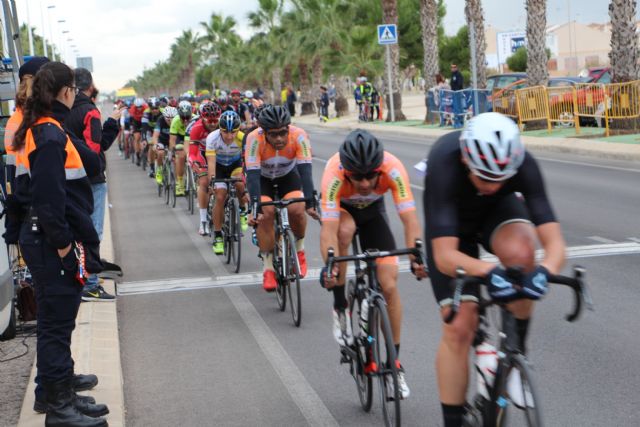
(499, 81)
(566, 81)
(602, 76)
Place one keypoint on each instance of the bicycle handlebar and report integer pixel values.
(371, 254)
(576, 283)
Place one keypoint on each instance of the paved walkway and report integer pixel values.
(618, 147)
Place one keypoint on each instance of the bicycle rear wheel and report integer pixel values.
(384, 356)
(364, 382)
(210, 205)
(227, 231)
(293, 279)
(522, 394)
(172, 186)
(165, 183)
(281, 287)
(192, 191)
(236, 236)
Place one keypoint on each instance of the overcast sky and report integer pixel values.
(125, 36)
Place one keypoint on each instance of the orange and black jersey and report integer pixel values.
(51, 179)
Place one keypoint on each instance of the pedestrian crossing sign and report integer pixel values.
(387, 34)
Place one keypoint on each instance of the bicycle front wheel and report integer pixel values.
(193, 191)
(172, 187)
(236, 235)
(165, 183)
(278, 256)
(384, 356)
(521, 392)
(229, 220)
(364, 382)
(293, 278)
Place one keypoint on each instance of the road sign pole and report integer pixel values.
(474, 68)
(390, 84)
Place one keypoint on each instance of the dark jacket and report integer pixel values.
(457, 81)
(84, 123)
(63, 204)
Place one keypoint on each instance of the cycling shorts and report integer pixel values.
(136, 126)
(225, 172)
(508, 209)
(372, 223)
(160, 146)
(289, 186)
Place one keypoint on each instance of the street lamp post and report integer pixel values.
(53, 50)
(61, 47)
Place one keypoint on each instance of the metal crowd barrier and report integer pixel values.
(532, 105)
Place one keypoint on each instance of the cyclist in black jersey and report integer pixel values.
(483, 188)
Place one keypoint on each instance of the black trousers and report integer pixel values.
(58, 298)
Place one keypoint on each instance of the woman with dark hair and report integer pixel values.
(57, 238)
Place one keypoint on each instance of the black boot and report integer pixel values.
(84, 382)
(40, 406)
(62, 411)
(91, 409)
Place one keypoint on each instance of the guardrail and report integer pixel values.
(456, 107)
(532, 105)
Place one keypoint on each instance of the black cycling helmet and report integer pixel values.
(361, 152)
(274, 117)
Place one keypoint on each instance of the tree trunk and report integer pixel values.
(288, 74)
(475, 17)
(277, 85)
(306, 94)
(624, 41)
(390, 16)
(537, 72)
(429, 24)
(341, 103)
(316, 79)
(268, 94)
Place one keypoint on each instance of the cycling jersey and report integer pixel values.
(272, 163)
(163, 127)
(197, 133)
(337, 190)
(149, 119)
(178, 128)
(137, 113)
(224, 154)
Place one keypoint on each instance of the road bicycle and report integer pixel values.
(364, 114)
(231, 226)
(373, 353)
(513, 384)
(168, 186)
(285, 256)
(190, 188)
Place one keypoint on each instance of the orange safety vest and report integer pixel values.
(73, 165)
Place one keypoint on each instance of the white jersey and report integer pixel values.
(225, 154)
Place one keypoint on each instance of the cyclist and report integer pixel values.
(224, 160)
(177, 135)
(149, 119)
(353, 187)
(240, 107)
(483, 188)
(278, 153)
(207, 123)
(223, 102)
(135, 118)
(125, 125)
(160, 139)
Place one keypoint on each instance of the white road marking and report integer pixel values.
(255, 278)
(634, 239)
(601, 239)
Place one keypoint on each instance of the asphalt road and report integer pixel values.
(227, 356)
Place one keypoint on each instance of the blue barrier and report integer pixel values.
(456, 107)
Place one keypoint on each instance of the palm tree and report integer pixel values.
(185, 57)
(475, 18)
(390, 16)
(624, 41)
(218, 31)
(429, 24)
(537, 72)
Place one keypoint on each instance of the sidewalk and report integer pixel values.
(617, 147)
(95, 346)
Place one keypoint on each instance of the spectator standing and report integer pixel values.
(324, 103)
(53, 203)
(291, 101)
(457, 81)
(85, 123)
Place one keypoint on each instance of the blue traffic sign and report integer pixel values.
(387, 34)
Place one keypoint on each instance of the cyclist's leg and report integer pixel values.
(240, 187)
(160, 153)
(346, 231)
(218, 209)
(136, 141)
(180, 167)
(264, 231)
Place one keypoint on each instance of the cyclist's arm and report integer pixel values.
(448, 258)
(329, 238)
(173, 138)
(210, 154)
(550, 236)
(412, 228)
(252, 162)
(304, 160)
(156, 135)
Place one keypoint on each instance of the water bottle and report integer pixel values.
(364, 315)
(486, 364)
(254, 236)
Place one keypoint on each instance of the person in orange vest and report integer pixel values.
(53, 203)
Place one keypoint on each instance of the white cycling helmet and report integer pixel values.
(184, 109)
(139, 102)
(169, 112)
(248, 94)
(490, 144)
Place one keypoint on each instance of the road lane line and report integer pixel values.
(255, 278)
(304, 396)
(601, 239)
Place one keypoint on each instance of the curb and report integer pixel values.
(95, 346)
(586, 147)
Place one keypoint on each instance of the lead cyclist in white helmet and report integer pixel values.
(483, 188)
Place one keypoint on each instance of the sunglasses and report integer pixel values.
(362, 176)
(228, 131)
(279, 133)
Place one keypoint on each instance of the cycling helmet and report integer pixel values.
(248, 94)
(164, 101)
(260, 109)
(274, 117)
(235, 92)
(139, 102)
(222, 100)
(173, 103)
(210, 111)
(490, 144)
(169, 112)
(154, 103)
(184, 109)
(229, 121)
(361, 152)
